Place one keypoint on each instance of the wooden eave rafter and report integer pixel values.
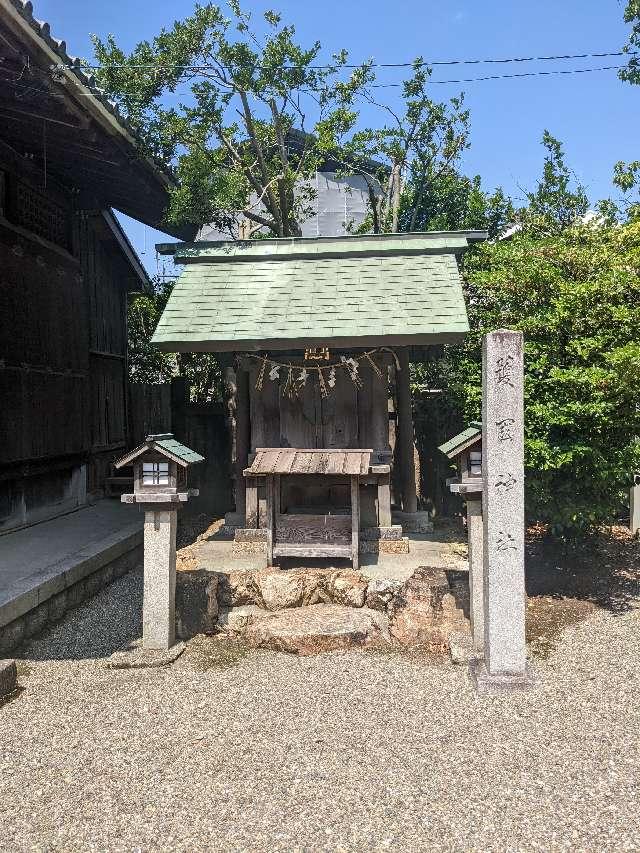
(62, 126)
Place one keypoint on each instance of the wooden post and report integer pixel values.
(243, 436)
(270, 536)
(404, 435)
(355, 522)
(180, 390)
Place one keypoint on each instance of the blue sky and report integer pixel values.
(595, 115)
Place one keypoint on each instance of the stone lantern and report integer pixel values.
(466, 450)
(160, 467)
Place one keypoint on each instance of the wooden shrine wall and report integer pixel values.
(348, 417)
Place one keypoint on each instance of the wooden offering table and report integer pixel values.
(309, 534)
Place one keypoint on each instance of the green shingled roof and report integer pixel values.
(163, 442)
(179, 450)
(458, 443)
(281, 294)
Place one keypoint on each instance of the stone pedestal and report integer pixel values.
(505, 660)
(475, 536)
(158, 628)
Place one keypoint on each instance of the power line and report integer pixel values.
(423, 64)
(512, 76)
(520, 75)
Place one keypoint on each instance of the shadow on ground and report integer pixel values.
(564, 586)
(96, 629)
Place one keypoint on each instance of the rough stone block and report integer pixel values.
(236, 588)
(348, 588)
(381, 592)
(321, 628)
(8, 678)
(196, 603)
(280, 589)
(424, 611)
(236, 620)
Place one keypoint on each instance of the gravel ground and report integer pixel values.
(358, 751)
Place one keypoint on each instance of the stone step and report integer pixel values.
(318, 628)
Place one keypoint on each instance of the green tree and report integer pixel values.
(558, 201)
(626, 176)
(576, 296)
(418, 143)
(451, 201)
(246, 92)
(149, 365)
(632, 16)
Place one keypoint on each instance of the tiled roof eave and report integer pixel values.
(72, 67)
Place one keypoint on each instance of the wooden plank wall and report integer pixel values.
(149, 411)
(349, 417)
(105, 277)
(63, 369)
(43, 352)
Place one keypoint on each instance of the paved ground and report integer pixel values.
(38, 561)
(424, 550)
(345, 752)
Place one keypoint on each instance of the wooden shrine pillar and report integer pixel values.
(243, 437)
(404, 435)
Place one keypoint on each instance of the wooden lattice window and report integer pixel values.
(39, 214)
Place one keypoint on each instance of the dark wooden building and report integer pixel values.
(66, 159)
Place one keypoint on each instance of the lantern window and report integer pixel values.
(155, 473)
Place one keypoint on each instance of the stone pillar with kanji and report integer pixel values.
(504, 662)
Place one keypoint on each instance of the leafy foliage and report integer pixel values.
(148, 364)
(450, 201)
(632, 16)
(576, 297)
(247, 92)
(555, 204)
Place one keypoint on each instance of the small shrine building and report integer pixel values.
(316, 336)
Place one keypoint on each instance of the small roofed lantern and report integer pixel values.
(160, 468)
(466, 449)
